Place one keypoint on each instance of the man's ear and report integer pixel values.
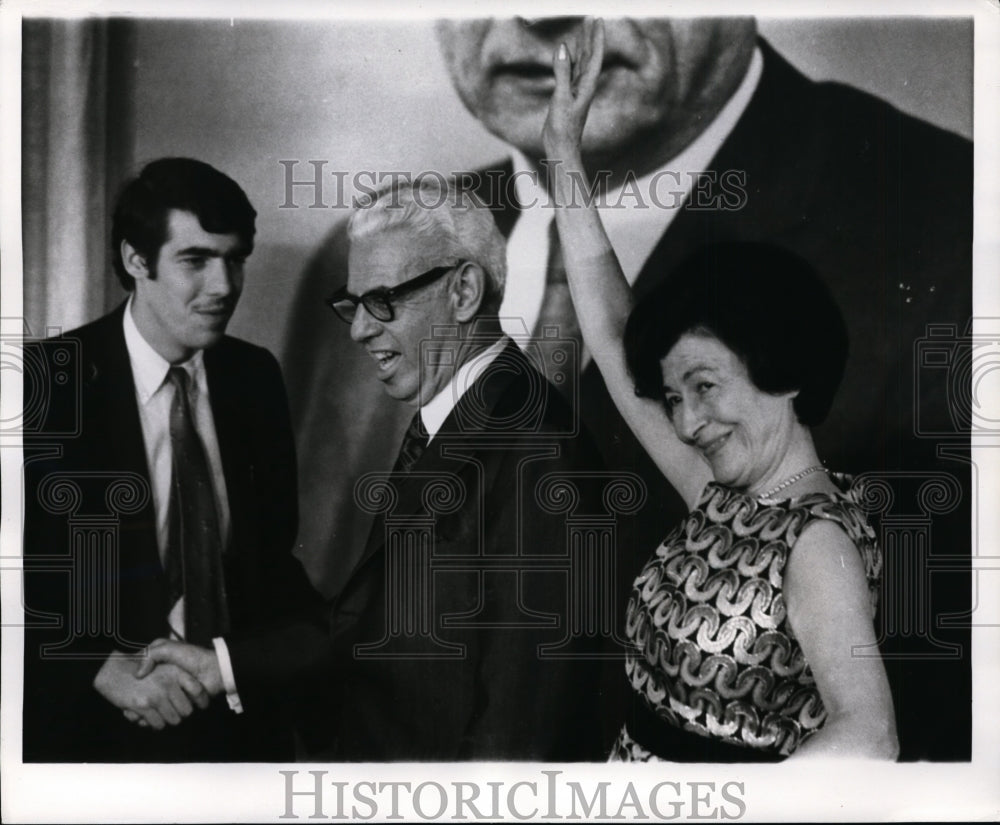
(134, 262)
(468, 291)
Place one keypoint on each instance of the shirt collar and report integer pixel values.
(149, 368)
(434, 413)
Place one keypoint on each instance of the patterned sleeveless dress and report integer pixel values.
(718, 671)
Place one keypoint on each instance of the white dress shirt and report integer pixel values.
(635, 215)
(435, 411)
(154, 395)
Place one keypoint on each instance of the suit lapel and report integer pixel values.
(409, 488)
(496, 189)
(487, 389)
(229, 417)
(776, 186)
(113, 432)
(112, 406)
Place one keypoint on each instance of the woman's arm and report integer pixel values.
(826, 595)
(601, 295)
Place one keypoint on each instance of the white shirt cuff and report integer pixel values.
(228, 679)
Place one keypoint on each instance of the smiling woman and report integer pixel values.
(743, 339)
(757, 599)
(742, 625)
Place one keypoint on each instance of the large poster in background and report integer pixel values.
(848, 141)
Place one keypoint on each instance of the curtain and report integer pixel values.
(77, 135)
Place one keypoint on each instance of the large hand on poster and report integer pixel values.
(165, 697)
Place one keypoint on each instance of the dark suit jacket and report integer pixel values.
(435, 644)
(881, 204)
(88, 443)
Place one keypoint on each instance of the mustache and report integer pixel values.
(216, 307)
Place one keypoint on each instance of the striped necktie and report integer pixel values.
(558, 325)
(194, 556)
(414, 444)
(557, 305)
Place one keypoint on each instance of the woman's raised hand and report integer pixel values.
(576, 82)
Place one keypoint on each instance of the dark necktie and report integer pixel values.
(414, 444)
(194, 554)
(558, 325)
(557, 305)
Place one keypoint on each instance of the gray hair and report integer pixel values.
(455, 219)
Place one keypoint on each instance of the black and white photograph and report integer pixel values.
(416, 415)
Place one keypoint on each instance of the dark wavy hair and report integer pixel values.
(140, 215)
(764, 303)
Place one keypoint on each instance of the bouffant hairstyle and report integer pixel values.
(764, 303)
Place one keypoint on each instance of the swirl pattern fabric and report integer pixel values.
(712, 651)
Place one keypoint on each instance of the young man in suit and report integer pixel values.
(176, 444)
(701, 132)
(457, 635)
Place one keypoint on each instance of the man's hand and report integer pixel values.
(163, 699)
(199, 662)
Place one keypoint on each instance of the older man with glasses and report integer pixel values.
(461, 633)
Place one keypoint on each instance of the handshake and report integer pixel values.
(162, 687)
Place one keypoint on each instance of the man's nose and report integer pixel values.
(222, 276)
(364, 326)
(550, 26)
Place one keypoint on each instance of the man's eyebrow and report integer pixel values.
(204, 251)
(211, 252)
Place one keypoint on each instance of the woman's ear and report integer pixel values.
(468, 291)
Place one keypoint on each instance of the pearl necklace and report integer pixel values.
(788, 482)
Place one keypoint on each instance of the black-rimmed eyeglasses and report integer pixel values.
(378, 301)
